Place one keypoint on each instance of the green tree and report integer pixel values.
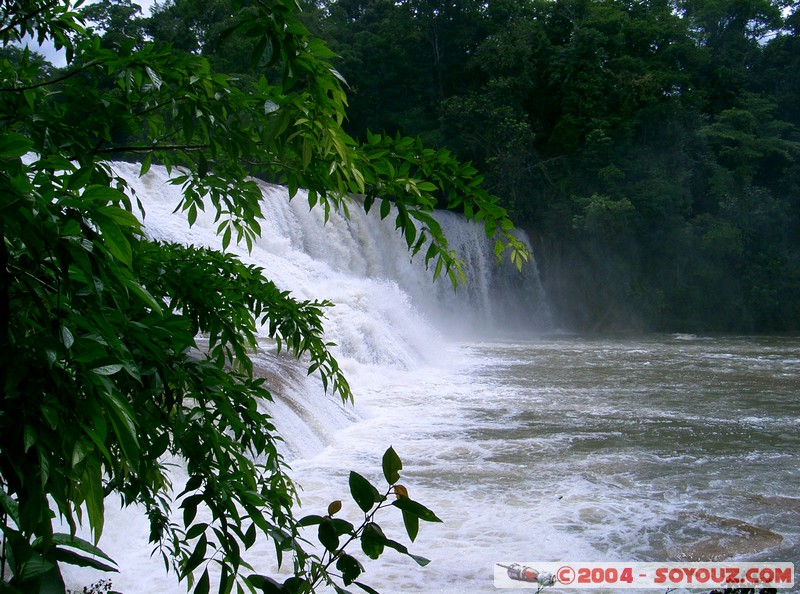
(197, 26)
(380, 52)
(657, 119)
(118, 21)
(103, 371)
(730, 35)
(403, 59)
(661, 114)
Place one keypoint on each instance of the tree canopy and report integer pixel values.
(649, 148)
(103, 370)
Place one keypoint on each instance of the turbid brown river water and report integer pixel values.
(662, 448)
(656, 448)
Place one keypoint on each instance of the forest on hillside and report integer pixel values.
(649, 148)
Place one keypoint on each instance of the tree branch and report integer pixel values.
(52, 81)
(155, 147)
(5, 313)
(27, 17)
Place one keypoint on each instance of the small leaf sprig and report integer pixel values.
(337, 534)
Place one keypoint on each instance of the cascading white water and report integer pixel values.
(551, 449)
(385, 303)
(388, 312)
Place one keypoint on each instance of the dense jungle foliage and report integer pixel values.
(105, 382)
(650, 147)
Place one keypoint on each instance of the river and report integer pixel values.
(657, 448)
(537, 446)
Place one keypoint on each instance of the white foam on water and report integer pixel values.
(382, 324)
(552, 449)
(491, 510)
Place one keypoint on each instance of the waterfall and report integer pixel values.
(362, 264)
(388, 312)
(389, 317)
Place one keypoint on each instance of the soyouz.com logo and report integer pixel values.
(616, 575)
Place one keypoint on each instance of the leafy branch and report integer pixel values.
(53, 81)
(336, 534)
(14, 24)
(128, 352)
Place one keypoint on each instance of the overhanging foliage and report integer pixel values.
(101, 374)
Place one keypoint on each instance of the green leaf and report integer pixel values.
(327, 535)
(189, 505)
(306, 154)
(196, 530)
(80, 544)
(103, 195)
(368, 202)
(197, 556)
(421, 561)
(296, 585)
(50, 415)
(146, 162)
(350, 568)
(192, 484)
(72, 558)
(108, 369)
(13, 145)
(92, 484)
(416, 509)
(311, 520)
(29, 437)
(143, 295)
(52, 582)
(123, 424)
(120, 216)
(373, 541)
(366, 588)
(191, 214)
(364, 494)
(386, 207)
(153, 77)
(78, 452)
(392, 465)
(34, 567)
(411, 523)
(342, 527)
(250, 536)
(203, 584)
(439, 266)
(266, 584)
(9, 506)
(66, 337)
(114, 239)
(410, 232)
(97, 439)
